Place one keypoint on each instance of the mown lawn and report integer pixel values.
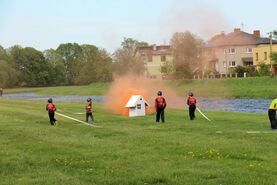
(133, 150)
(254, 87)
(95, 89)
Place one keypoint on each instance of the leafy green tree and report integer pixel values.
(30, 65)
(187, 49)
(8, 75)
(3, 54)
(167, 68)
(71, 54)
(97, 66)
(57, 68)
(126, 59)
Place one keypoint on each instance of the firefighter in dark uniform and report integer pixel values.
(51, 108)
(89, 110)
(160, 105)
(191, 102)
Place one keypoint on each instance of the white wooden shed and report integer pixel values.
(137, 106)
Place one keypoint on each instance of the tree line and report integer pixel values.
(74, 64)
(69, 64)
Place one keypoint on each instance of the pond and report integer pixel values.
(234, 105)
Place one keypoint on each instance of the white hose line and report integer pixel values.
(203, 114)
(76, 119)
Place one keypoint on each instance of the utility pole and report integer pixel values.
(270, 52)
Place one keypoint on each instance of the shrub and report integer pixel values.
(263, 69)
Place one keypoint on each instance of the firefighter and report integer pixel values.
(160, 105)
(89, 110)
(191, 102)
(51, 108)
(272, 114)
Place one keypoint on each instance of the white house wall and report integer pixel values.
(138, 112)
(241, 52)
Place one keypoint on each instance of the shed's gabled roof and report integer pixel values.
(133, 101)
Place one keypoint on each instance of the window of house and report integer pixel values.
(257, 57)
(163, 58)
(265, 55)
(248, 50)
(232, 63)
(229, 50)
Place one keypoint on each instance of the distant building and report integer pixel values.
(225, 51)
(261, 54)
(154, 59)
(222, 52)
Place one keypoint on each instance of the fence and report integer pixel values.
(213, 76)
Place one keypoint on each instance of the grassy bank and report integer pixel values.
(133, 150)
(255, 87)
(96, 89)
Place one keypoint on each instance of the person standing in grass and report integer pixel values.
(51, 108)
(160, 105)
(191, 102)
(272, 114)
(89, 110)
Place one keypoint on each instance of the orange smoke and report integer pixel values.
(124, 87)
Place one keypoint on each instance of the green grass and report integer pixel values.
(254, 87)
(133, 150)
(96, 89)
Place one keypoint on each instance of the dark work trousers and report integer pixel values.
(52, 117)
(160, 114)
(89, 114)
(191, 112)
(272, 118)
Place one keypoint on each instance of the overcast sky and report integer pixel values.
(44, 24)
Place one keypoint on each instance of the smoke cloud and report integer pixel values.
(199, 18)
(125, 86)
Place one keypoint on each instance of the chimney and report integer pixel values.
(154, 47)
(237, 30)
(257, 33)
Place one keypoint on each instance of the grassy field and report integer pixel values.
(255, 87)
(133, 150)
(96, 89)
